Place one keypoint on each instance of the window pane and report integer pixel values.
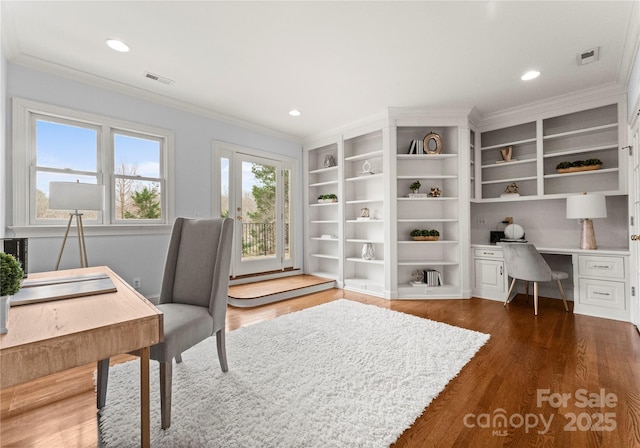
(224, 187)
(138, 199)
(135, 156)
(42, 194)
(287, 214)
(64, 146)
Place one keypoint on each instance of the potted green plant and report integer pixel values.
(324, 198)
(10, 283)
(579, 165)
(415, 186)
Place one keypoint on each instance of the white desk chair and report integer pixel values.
(524, 262)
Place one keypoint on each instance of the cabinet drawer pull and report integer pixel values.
(598, 293)
(488, 253)
(600, 266)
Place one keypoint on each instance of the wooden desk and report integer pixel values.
(49, 337)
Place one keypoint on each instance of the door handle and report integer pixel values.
(635, 237)
(239, 218)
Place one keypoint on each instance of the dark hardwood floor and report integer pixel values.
(558, 379)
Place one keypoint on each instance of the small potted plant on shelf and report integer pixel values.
(424, 235)
(10, 283)
(415, 186)
(326, 198)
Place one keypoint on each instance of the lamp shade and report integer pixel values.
(75, 196)
(586, 206)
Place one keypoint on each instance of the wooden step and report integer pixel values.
(269, 291)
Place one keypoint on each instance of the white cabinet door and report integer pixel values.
(489, 279)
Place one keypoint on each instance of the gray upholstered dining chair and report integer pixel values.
(193, 299)
(524, 262)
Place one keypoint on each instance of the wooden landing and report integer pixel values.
(269, 291)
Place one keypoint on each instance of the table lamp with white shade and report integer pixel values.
(75, 196)
(587, 206)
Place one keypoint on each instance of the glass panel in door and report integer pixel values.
(259, 214)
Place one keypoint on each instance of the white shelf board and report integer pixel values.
(428, 242)
(326, 256)
(581, 131)
(426, 156)
(571, 152)
(364, 178)
(364, 221)
(359, 240)
(503, 145)
(360, 260)
(322, 184)
(317, 238)
(324, 204)
(364, 201)
(581, 173)
(427, 220)
(427, 263)
(504, 164)
(364, 156)
(513, 179)
(427, 176)
(324, 170)
(324, 222)
(439, 198)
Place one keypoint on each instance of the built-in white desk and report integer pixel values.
(600, 278)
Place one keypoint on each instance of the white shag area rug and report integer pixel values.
(341, 374)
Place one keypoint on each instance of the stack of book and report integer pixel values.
(416, 147)
(432, 277)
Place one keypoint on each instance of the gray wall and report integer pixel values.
(545, 222)
(141, 255)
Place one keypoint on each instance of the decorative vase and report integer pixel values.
(367, 252)
(4, 313)
(329, 161)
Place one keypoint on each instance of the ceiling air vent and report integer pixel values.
(588, 56)
(159, 78)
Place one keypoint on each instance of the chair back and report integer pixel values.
(197, 267)
(524, 262)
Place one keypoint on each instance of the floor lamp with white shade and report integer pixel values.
(587, 207)
(75, 196)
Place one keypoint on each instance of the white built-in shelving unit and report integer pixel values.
(441, 213)
(324, 219)
(364, 192)
(585, 131)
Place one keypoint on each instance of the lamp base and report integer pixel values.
(588, 235)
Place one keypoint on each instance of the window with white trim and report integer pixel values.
(57, 144)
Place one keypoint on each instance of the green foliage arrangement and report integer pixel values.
(424, 232)
(328, 196)
(578, 163)
(415, 185)
(12, 274)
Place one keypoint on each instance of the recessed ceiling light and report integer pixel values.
(118, 45)
(295, 113)
(532, 74)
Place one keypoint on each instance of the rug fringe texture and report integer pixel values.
(340, 374)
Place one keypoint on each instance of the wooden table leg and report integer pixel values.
(145, 425)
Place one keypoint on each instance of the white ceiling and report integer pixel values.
(337, 62)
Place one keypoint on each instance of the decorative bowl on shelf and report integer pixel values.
(326, 201)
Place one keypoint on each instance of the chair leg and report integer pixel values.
(222, 350)
(535, 298)
(513, 282)
(179, 358)
(165, 393)
(564, 297)
(103, 377)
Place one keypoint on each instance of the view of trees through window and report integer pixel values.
(69, 151)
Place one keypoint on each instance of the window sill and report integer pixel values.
(90, 230)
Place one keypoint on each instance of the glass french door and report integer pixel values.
(256, 193)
